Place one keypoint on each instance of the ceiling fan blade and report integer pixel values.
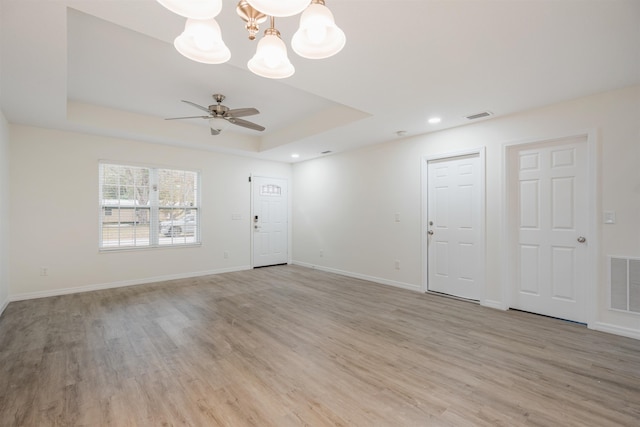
(214, 131)
(242, 112)
(196, 105)
(245, 123)
(189, 117)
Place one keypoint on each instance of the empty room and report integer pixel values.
(319, 213)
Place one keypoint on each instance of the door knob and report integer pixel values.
(582, 239)
(430, 232)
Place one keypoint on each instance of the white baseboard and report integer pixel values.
(379, 280)
(613, 329)
(112, 285)
(498, 305)
(4, 305)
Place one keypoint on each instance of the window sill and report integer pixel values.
(148, 248)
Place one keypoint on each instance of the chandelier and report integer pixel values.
(318, 36)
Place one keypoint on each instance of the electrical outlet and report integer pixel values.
(44, 271)
(321, 253)
(226, 254)
(397, 265)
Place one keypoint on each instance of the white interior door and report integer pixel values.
(270, 221)
(551, 219)
(454, 205)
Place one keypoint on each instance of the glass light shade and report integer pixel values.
(318, 36)
(218, 124)
(279, 8)
(196, 9)
(271, 59)
(201, 41)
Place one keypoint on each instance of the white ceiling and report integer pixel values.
(109, 67)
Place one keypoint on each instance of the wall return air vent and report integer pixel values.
(479, 115)
(624, 278)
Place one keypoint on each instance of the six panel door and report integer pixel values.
(454, 253)
(552, 217)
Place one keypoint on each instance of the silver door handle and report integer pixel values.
(430, 232)
(582, 239)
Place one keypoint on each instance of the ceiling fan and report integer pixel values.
(220, 116)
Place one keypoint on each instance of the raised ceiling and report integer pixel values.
(109, 67)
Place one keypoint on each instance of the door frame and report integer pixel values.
(251, 214)
(509, 221)
(424, 237)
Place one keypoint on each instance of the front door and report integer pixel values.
(269, 221)
(454, 221)
(549, 188)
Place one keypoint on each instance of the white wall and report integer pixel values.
(54, 212)
(344, 205)
(4, 212)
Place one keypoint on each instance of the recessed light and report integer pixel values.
(401, 132)
(295, 155)
(434, 120)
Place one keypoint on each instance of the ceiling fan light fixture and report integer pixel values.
(271, 59)
(280, 8)
(318, 36)
(201, 41)
(196, 9)
(218, 124)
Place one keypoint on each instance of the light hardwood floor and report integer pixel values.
(290, 346)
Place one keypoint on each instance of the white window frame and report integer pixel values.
(155, 206)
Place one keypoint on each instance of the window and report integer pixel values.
(148, 207)
(270, 190)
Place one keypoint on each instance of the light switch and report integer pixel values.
(397, 217)
(609, 217)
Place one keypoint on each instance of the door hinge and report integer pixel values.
(249, 179)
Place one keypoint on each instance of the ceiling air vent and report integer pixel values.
(479, 115)
(326, 152)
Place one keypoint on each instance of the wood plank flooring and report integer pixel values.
(290, 346)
